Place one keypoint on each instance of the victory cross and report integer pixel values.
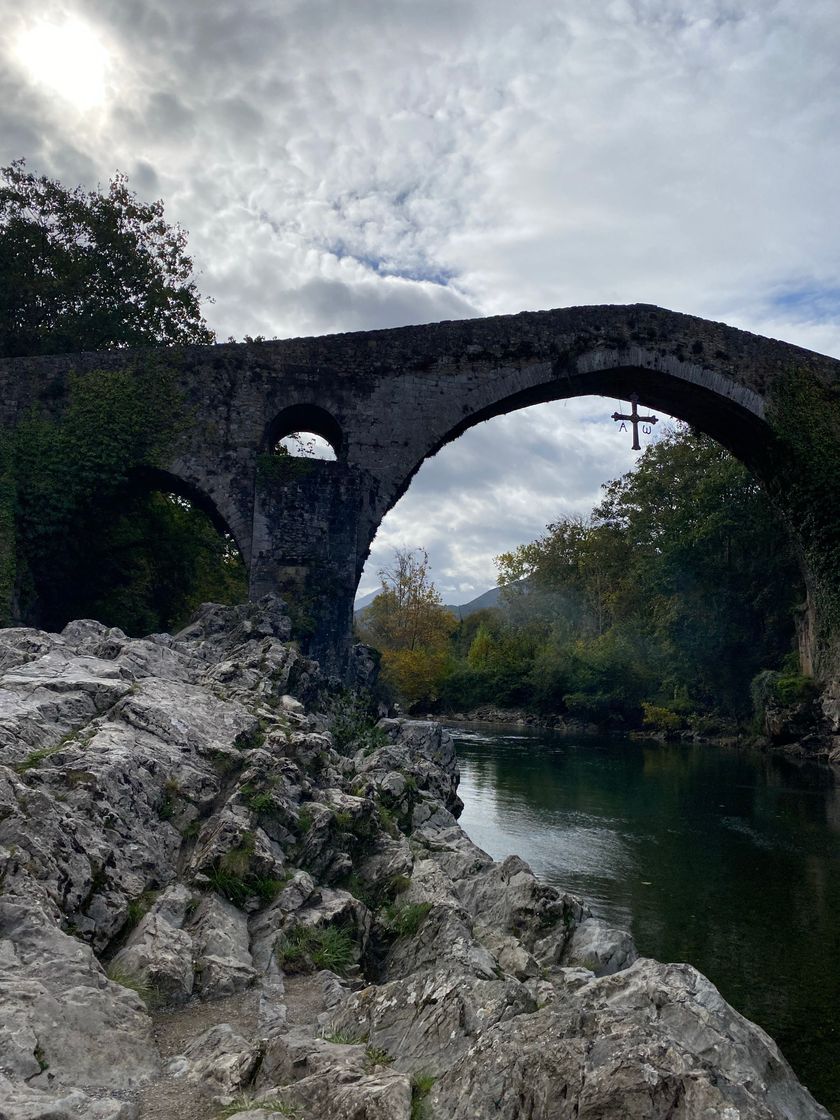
(635, 419)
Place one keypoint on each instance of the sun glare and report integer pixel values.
(67, 58)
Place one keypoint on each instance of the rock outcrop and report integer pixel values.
(208, 908)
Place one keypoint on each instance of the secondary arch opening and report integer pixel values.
(305, 431)
(147, 554)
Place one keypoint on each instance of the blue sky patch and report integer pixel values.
(423, 272)
(809, 302)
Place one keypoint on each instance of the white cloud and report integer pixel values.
(344, 166)
(499, 485)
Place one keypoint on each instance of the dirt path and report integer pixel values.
(172, 1098)
(175, 1098)
(304, 1002)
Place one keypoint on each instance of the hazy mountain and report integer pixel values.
(463, 610)
(481, 602)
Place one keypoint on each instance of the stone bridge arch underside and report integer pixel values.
(387, 400)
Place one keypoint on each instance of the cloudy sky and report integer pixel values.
(352, 164)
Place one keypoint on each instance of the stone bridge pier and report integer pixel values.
(308, 544)
(388, 400)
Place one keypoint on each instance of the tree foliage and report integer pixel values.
(677, 590)
(93, 541)
(82, 270)
(409, 624)
(81, 532)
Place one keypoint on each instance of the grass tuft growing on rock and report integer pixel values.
(238, 888)
(251, 1104)
(253, 738)
(146, 991)
(378, 894)
(306, 947)
(32, 760)
(421, 1086)
(138, 908)
(376, 1056)
(260, 803)
(346, 1038)
(406, 918)
(388, 820)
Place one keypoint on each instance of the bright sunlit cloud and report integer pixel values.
(66, 58)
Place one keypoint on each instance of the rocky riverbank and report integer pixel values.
(212, 904)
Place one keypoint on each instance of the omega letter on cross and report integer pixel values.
(635, 419)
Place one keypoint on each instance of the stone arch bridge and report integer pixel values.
(386, 400)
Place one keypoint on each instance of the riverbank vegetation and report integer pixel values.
(657, 611)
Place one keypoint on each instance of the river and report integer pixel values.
(727, 859)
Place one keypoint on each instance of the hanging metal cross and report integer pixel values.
(635, 419)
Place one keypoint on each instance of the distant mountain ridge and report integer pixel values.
(481, 602)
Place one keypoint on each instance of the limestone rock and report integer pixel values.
(333, 1081)
(651, 1041)
(510, 954)
(63, 1023)
(443, 927)
(600, 948)
(221, 949)
(159, 952)
(19, 1102)
(432, 1018)
(221, 1061)
(184, 787)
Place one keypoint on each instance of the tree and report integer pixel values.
(79, 535)
(686, 580)
(408, 613)
(408, 623)
(674, 593)
(83, 270)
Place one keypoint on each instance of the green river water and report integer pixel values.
(727, 859)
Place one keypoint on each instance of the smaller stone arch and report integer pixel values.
(305, 418)
(155, 478)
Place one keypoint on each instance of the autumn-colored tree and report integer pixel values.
(409, 624)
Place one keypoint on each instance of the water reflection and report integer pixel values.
(727, 859)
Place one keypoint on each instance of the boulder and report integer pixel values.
(432, 1018)
(648, 1042)
(596, 946)
(159, 952)
(63, 1023)
(220, 1061)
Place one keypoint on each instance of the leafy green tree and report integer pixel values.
(83, 270)
(79, 534)
(671, 596)
(711, 580)
(482, 649)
